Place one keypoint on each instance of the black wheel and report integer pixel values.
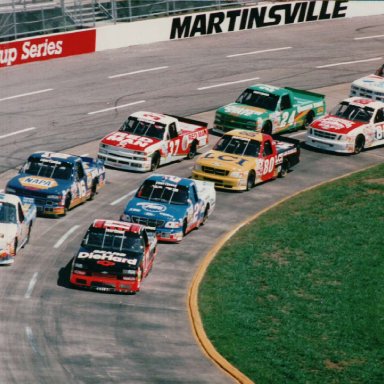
(359, 144)
(155, 161)
(205, 217)
(251, 180)
(185, 225)
(93, 191)
(14, 248)
(192, 151)
(267, 128)
(67, 204)
(308, 119)
(28, 235)
(139, 278)
(284, 168)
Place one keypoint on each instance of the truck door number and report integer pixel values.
(174, 147)
(379, 133)
(269, 165)
(287, 118)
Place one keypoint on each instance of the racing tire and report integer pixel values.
(67, 204)
(14, 251)
(359, 144)
(192, 151)
(308, 119)
(28, 235)
(140, 279)
(93, 191)
(267, 128)
(205, 217)
(284, 168)
(185, 226)
(251, 180)
(155, 161)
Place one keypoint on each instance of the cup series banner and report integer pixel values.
(47, 47)
(122, 35)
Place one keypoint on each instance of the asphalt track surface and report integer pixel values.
(51, 333)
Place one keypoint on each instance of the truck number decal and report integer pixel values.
(287, 118)
(174, 146)
(269, 165)
(379, 132)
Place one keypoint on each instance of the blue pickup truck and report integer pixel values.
(171, 204)
(57, 181)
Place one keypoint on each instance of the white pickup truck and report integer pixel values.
(17, 216)
(371, 87)
(147, 140)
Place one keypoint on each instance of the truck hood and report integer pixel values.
(335, 124)
(130, 141)
(227, 161)
(38, 183)
(103, 261)
(243, 111)
(372, 82)
(7, 234)
(154, 210)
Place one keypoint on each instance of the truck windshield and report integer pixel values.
(7, 213)
(53, 169)
(238, 146)
(353, 112)
(103, 239)
(146, 128)
(155, 191)
(258, 99)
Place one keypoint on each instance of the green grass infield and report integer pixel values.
(297, 296)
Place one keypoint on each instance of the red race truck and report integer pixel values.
(147, 140)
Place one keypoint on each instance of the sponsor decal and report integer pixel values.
(46, 48)
(376, 83)
(125, 140)
(243, 111)
(335, 123)
(256, 17)
(37, 182)
(151, 207)
(106, 263)
(107, 256)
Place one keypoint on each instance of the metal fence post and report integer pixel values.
(14, 19)
(113, 10)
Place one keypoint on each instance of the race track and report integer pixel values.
(51, 333)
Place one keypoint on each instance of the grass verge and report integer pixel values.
(298, 295)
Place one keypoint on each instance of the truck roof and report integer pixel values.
(258, 136)
(152, 116)
(54, 156)
(269, 89)
(171, 180)
(115, 225)
(8, 198)
(365, 102)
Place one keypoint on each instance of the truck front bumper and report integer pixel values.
(221, 182)
(330, 145)
(127, 163)
(104, 284)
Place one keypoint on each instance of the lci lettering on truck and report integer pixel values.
(45, 48)
(256, 17)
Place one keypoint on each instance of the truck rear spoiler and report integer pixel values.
(309, 93)
(188, 120)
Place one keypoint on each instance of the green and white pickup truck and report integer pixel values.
(270, 109)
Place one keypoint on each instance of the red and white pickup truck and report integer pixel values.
(147, 140)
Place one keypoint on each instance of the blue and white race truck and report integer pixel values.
(173, 205)
(58, 181)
